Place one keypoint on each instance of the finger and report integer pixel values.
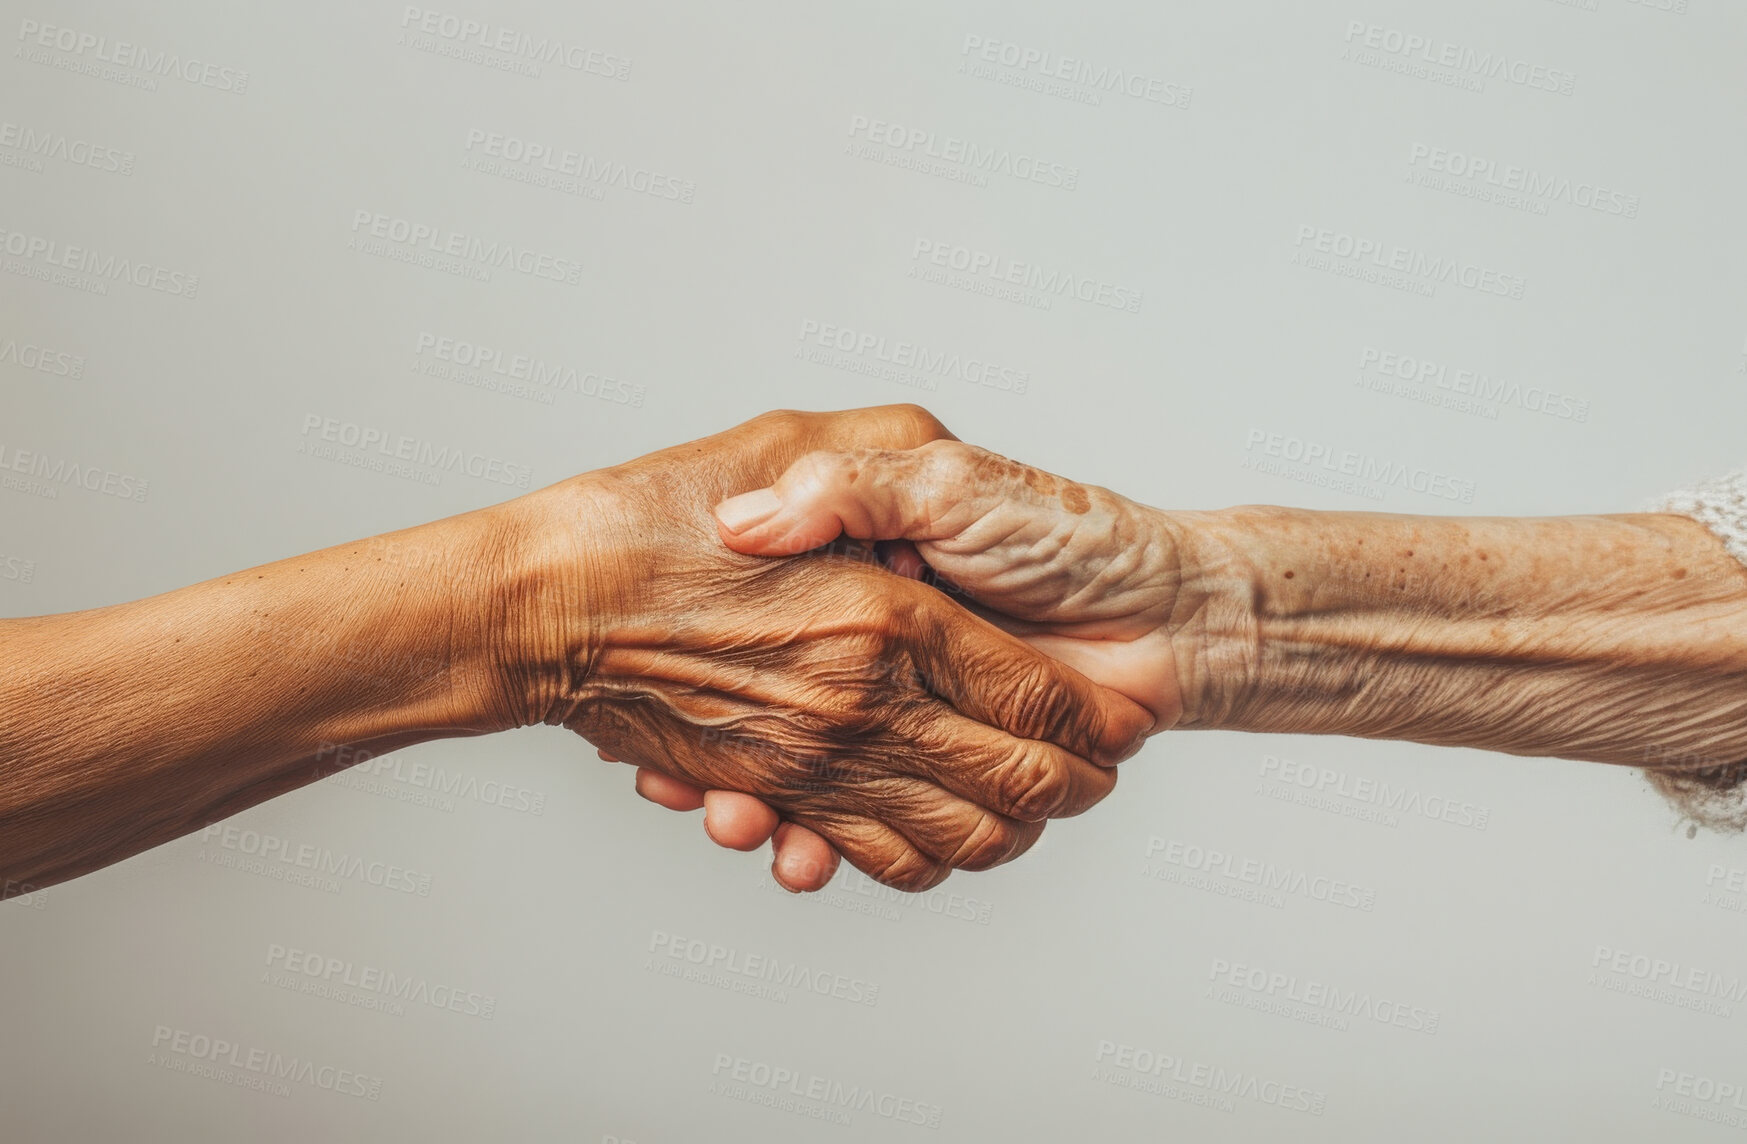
(898, 426)
(883, 854)
(803, 860)
(664, 790)
(1025, 779)
(901, 557)
(998, 679)
(737, 821)
(870, 494)
(1117, 666)
(1112, 663)
(965, 835)
(944, 827)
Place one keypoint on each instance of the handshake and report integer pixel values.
(895, 647)
(855, 636)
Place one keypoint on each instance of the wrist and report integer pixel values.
(1304, 620)
(1210, 624)
(552, 592)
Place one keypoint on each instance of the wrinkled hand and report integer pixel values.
(908, 733)
(1080, 573)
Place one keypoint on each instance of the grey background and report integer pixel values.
(1002, 997)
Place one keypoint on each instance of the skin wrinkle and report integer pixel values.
(933, 843)
(978, 842)
(1560, 674)
(1566, 724)
(709, 673)
(1119, 579)
(796, 793)
(1584, 637)
(606, 603)
(1568, 625)
(979, 536)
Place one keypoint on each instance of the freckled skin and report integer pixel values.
(1040, 482)
(1580, 637)
(1077, 571)
(1566, 636)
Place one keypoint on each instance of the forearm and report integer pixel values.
(126, 726)
(1620, 639)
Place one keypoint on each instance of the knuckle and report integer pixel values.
(1095, 783)
(820, 469)
(915, 424)
(907, 869)
(894, 614)
(1087, 728)
(990, 841)
(1034, 786)
(780, 416)
(782, 422)
(1040, 706)
(952, 461)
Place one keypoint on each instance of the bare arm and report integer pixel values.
(1620, 639)
(126, 726)
(604, 604)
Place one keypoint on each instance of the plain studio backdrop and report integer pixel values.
(1480, 257)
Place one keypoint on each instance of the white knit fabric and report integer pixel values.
(1719, 505)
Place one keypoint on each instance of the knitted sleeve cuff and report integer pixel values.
(1720, 505)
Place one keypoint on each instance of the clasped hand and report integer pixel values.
(850, 704)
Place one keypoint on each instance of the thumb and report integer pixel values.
(869, 494)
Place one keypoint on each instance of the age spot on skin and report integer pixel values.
(1041, 483)
(1075, 500)
(994, 468)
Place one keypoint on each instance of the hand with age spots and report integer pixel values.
(866, 710)
(1613, 638)
(1023, 637)
(1080, 573)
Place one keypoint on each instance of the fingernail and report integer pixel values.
(740, 513)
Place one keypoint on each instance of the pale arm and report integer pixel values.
(1618, 639)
